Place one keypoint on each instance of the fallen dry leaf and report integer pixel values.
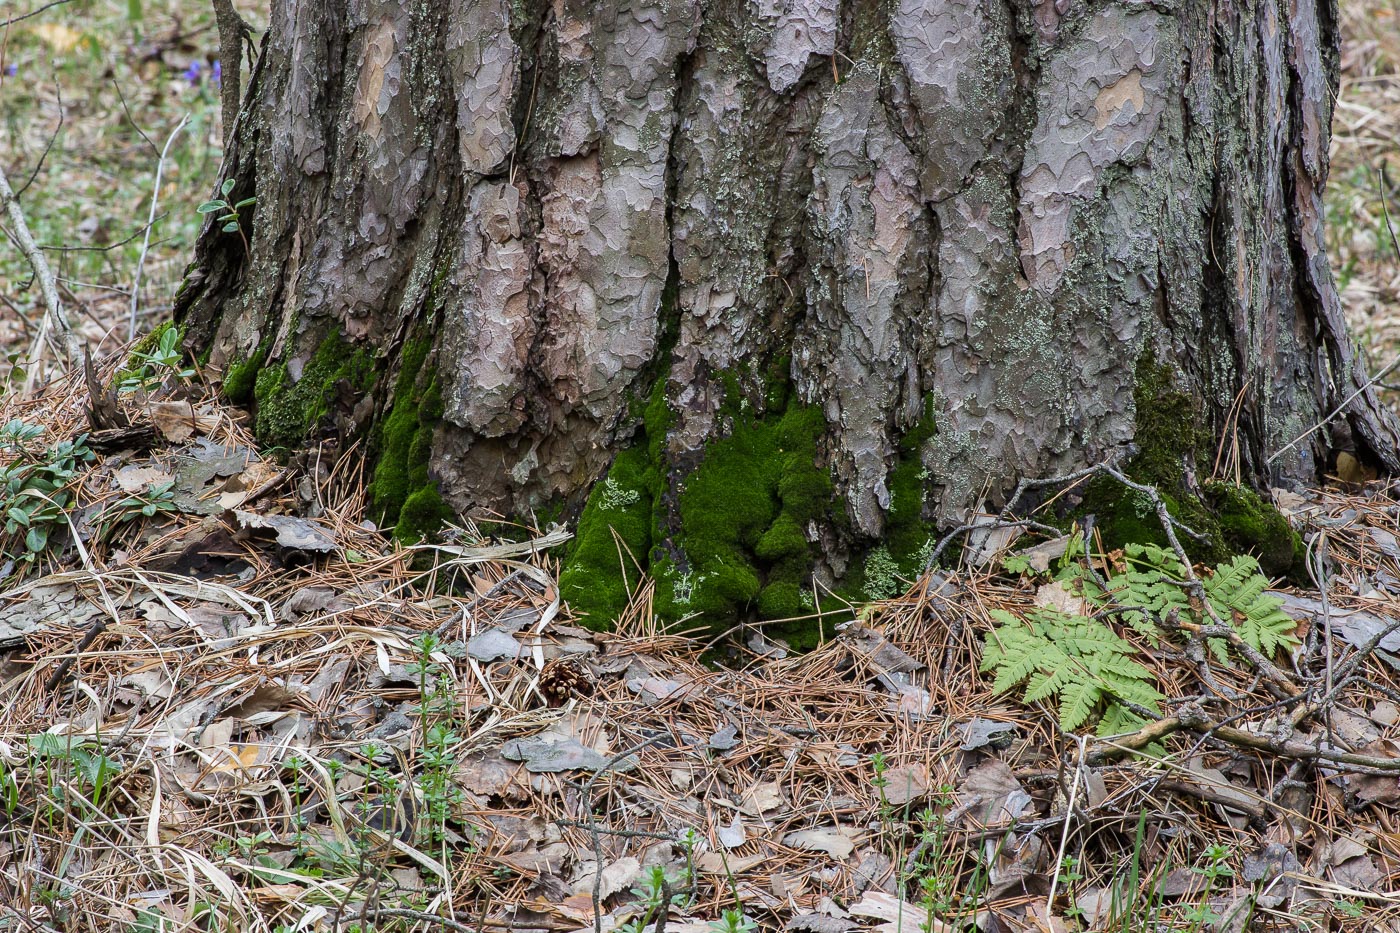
(134, 479)
(179, 421)
(761, 798)
(733, 835)
(837, 841)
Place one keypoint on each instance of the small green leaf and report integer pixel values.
(50, 745)
(231, 227)
(18, 516)
(227, 186)
(245, 202)
(209, 207)
(36, 539)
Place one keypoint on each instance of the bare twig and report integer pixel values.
(1064, 832)
(150, 221)
(24, 16)
(48, 146)
(232, 31)
(1335, 412)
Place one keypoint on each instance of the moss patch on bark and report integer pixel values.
(402, 492)
(732, 545)
(241, 376)
(288, 411)
(909, 536)
(1173, 447)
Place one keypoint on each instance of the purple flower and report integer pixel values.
(217, 73)
(192, 73)
(11, 70)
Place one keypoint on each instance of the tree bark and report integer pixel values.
(819, 274)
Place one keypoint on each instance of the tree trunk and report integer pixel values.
(800, 280)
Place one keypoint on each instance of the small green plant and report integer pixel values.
(1081, 662)
(657, 891)
(1090, 669)
(150, 367)
(72, 767)
(1216, 867)
(34, 493)
(9, 790)
(733, 920)
(254, 847)
(229, 220)
(158, 500)
(1070, 876)
(878, 780)
(1153, 583)
(437, 758)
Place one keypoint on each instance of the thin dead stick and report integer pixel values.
(232, 31)
(23, 16)
(1064, 832)
(54, 317)
(150, 222)
(1335, 412)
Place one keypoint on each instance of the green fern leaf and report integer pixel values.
(1080, 661)
(1077, 702)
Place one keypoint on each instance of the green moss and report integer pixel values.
(743, 513)
(908, 533)
(613, 537)
(726, 541)
(781, 600)
(1174, 445)
(402, 492)
(288, 412)
(240, 376)
(1251, 525)
(423, 513)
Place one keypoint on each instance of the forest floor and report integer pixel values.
(229, 703)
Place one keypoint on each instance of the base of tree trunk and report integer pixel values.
(765, 295)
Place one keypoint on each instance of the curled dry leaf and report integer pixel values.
(733, 835)
(295, 533)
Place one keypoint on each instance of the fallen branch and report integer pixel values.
(55, 320)
(1192, 718)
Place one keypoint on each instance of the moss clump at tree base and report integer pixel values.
(241, 376)
(613, 539)
(733, 545)
(402, 492)
(1249, 524)
(1229, 519)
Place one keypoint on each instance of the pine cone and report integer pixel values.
(564, 678)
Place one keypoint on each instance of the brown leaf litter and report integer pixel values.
(215, 718)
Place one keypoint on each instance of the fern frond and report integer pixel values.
(1078, 660)
(1077, 702)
